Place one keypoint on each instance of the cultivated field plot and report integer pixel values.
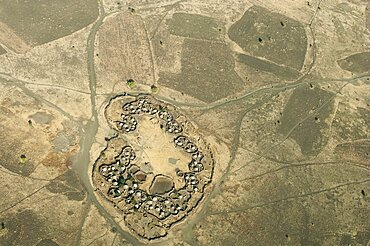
(184, 122)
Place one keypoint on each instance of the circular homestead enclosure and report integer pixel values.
(155, 170)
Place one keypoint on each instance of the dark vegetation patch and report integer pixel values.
(264, 65)
(357, 63)
(47, 242)
(12, 156)
(24, 228)
(42, 21)
(2, 50)
(272, 36)
(207, 72)
(69, 185)
(304, 118)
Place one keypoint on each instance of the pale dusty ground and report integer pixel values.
(291, 154)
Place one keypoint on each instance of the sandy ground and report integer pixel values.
(291, 150)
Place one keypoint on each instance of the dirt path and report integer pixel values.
(83, 162)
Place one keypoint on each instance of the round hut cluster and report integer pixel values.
(124, 183)
(124, 179)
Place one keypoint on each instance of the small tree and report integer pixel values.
(23, 159)
(131, 9)
(131, 83)
(154, 89)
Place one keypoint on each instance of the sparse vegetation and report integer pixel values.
(234, 124)
(23, 159)
(131, 83)
(154, 89)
